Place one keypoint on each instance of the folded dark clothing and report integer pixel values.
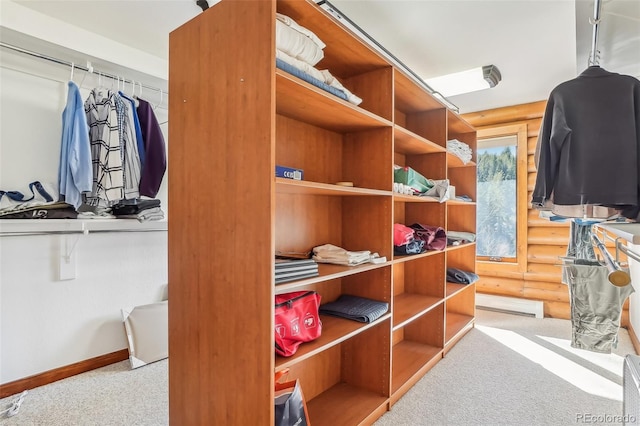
(139, 205)
(459, 276)
(413, 247)
(50, 211)
(355, 308)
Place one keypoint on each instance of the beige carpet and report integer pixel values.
(516, 370)
(509, 370)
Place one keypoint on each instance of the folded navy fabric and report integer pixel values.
(459, 276)
(309, 79)
(137, 207)
(355, 308)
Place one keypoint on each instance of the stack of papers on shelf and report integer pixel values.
(294, 269)
(355, 308)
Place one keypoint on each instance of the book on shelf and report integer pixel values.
(289, 173)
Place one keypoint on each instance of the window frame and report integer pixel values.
(519, 264)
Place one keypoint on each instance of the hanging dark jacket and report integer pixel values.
(588, 149)
(155, 163)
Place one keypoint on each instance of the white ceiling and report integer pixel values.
(536, 44)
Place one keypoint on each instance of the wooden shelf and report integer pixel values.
(455, 161)
(344, 404)
(457, 124)
(302, 101)
(410, 98)
(345, 55)
(270, 117)
(460, 203)
(9, 227)
(334, 331)
(458, 247)
(407, 142)
(303, 187)
(454, 288)
(409, 306)
(414, 198)
(409, 360)
(455, 324)
(326, 272)
(398, 259)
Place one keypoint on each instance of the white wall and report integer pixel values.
(46, 323)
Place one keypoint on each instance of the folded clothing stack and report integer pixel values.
(287, 269)
(328, 253)
(460, 150)
(141, 209)
(355, 308)
(405, 242)
(41, 203)
(298, 50)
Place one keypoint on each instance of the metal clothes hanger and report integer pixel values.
(594, 55)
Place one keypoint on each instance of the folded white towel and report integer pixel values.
(460, 150)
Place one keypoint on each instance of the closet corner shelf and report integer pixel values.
(405, 258)
(455, 161)
(328, 271)
(407, 142)
(335, 330)
(303, 101)
(461, 203)
(409, 306)
(17, 227)
(458, 247)
(414, 198)
(292, 186)
(629, 231)
(455, 288)
(457, 326)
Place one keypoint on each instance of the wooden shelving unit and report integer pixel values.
(234, 117)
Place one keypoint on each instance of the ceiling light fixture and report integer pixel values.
(479, 78)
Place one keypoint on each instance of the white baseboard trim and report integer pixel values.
(510, 304)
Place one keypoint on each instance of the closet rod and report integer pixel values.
(79, 232)
(594, 55)
(616, 275)
(75, 66)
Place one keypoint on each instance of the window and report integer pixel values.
(496, 206)
(501, 216)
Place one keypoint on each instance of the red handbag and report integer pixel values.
(296, 320)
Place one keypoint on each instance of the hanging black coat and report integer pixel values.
(588, 148)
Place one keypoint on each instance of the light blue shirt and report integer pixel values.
(75, 173)
(136, 126)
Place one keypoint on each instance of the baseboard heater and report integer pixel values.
(512, 305)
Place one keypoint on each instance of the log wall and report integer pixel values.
(546, 241)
